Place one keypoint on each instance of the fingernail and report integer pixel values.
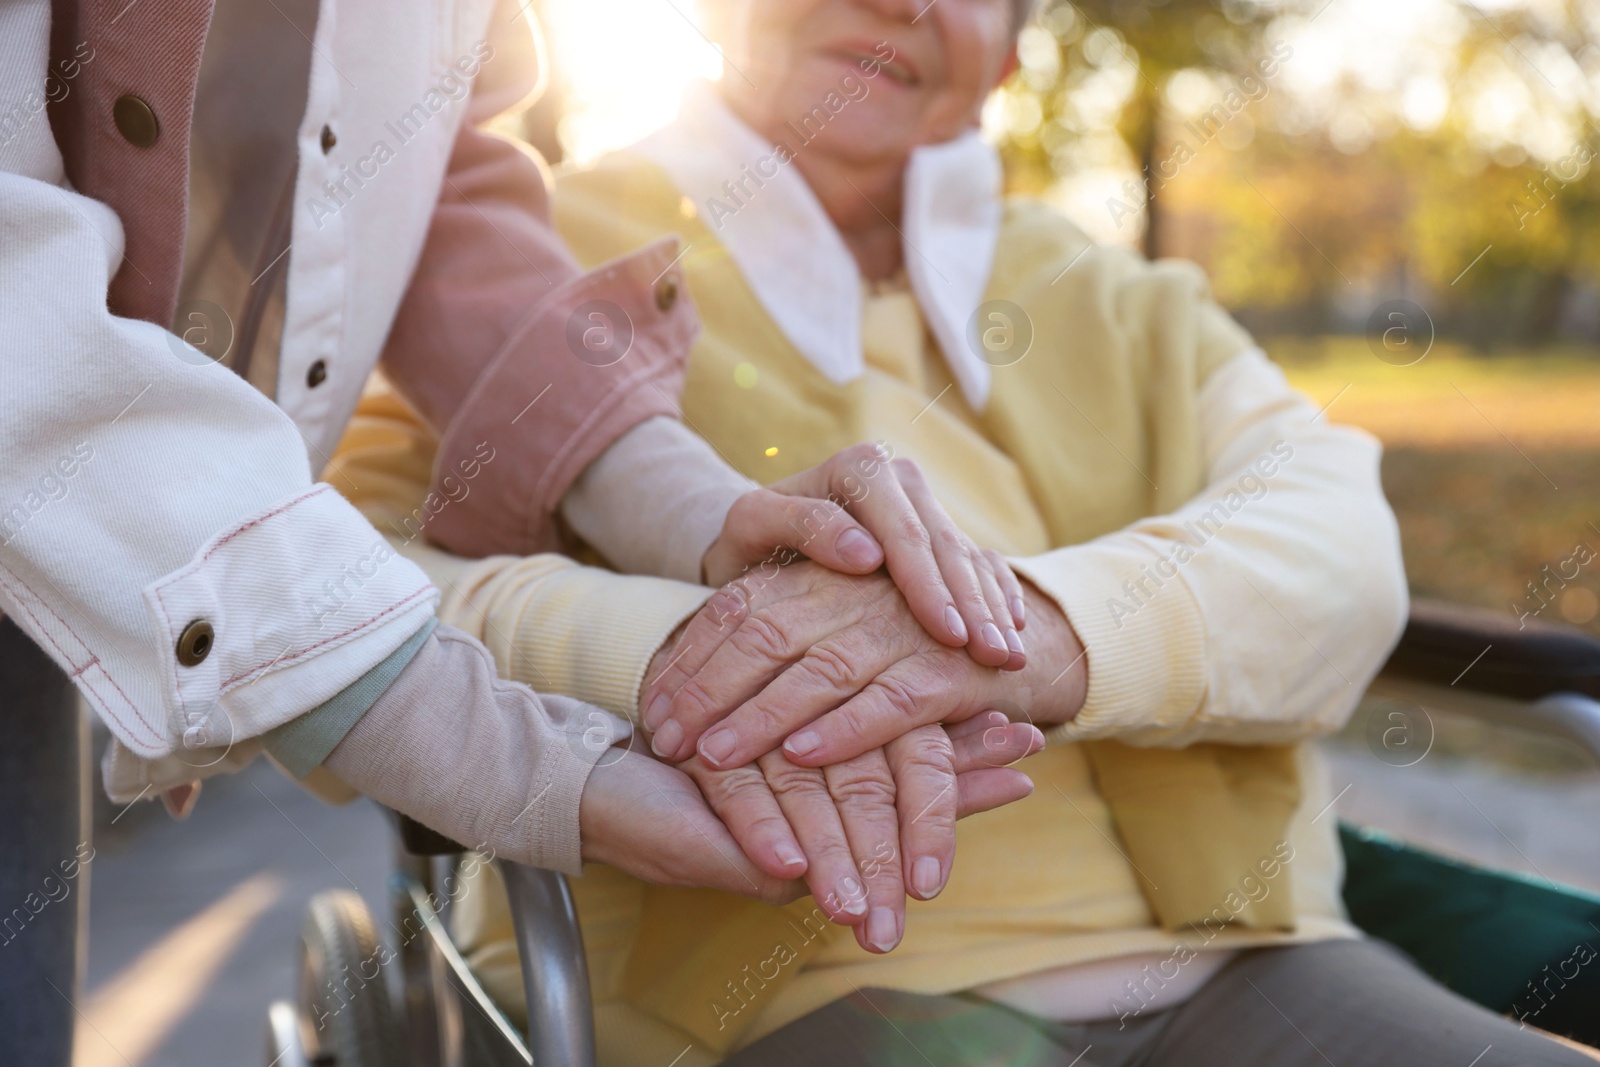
(1018, 612)
(952, 619)
(802, 743)
(667, 739)
(852, 901)
(656, 711)
(718, 746)
(858, 550)
(1014, 642)
(925, 876)
(992, 638)
(789, 857)
(883, 933)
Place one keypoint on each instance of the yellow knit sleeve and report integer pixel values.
(1255, 612)
(1218, 338)
(1146, 663)
(561, 627)
(1166, 308)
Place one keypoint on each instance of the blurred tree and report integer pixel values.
(1522, 195)
(1156, 38)
(1468, 178)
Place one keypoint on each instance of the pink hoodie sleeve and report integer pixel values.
(495, 342)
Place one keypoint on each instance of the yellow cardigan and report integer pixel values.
(1097, 430)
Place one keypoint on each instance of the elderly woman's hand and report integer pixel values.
(834, 666)
(860, 509)
(866, 831)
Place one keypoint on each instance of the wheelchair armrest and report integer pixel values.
(1524, 660)
(555, 973)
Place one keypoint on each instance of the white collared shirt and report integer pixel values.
(793, 256)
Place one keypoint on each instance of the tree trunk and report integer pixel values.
(1141, 123)
(1147, 160)
(1549, 300)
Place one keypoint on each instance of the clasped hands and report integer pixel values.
(836, 717)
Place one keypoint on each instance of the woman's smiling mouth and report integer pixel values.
(898, 70)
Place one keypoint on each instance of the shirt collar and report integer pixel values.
(793, 257)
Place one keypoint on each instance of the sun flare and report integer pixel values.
(623, 64)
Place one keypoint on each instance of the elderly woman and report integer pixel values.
(1212, 575)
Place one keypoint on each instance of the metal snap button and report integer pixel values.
(135, 121)
(667, 292)
(194, 645)
(317, 374)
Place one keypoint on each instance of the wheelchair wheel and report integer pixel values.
(344, 994)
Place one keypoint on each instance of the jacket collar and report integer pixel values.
(796, 262)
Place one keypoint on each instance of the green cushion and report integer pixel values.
(1513, 944)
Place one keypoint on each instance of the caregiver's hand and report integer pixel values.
(649, 820)
(834, 666)
(859, 509)
(867, 830)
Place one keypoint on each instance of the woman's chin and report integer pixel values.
(862, 139)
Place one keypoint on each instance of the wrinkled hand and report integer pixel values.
(865, 830)
(860, 509)
(834, 666)
(870, 826)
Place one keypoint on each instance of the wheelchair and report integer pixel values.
(1491, 936)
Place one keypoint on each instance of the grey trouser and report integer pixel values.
(1338, 1003)
(41, 829)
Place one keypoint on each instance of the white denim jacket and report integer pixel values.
(143, 490)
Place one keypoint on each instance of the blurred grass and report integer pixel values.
(1454, 397)
(1491, 462)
